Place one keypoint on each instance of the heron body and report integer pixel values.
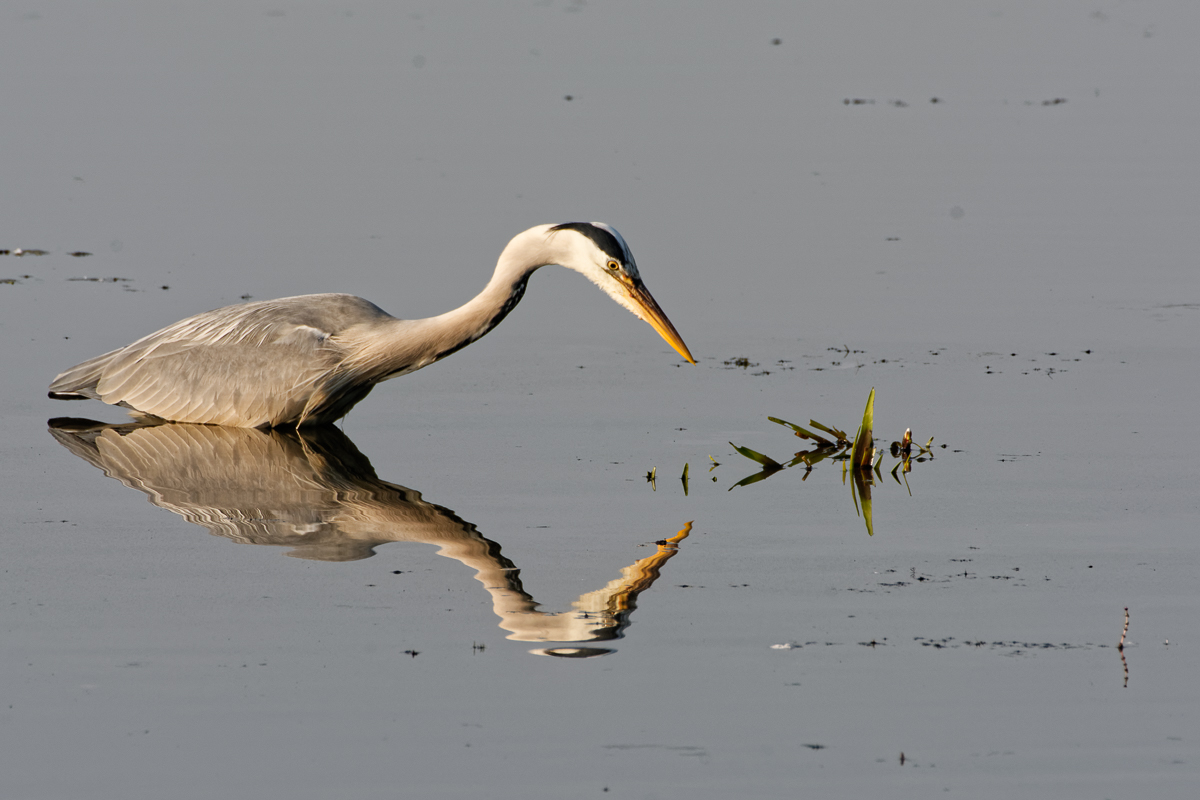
(307, 360)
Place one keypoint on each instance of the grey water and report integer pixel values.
(982, 211)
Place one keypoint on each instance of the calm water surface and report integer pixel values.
(471, 588)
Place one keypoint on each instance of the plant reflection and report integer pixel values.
(314, 492)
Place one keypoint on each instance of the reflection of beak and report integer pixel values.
(657, 319)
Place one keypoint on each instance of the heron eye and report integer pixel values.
(613, 265)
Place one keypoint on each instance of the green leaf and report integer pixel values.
(766, 461)
(841, 435)
(864, 441)
(801, 432)
(815, 456)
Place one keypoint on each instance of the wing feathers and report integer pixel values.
(257, 365)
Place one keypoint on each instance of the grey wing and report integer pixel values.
(256, 365)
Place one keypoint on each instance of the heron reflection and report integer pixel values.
(312, 490)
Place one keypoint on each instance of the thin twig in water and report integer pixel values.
(1121, 648)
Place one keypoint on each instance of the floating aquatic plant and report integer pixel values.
(860, 457)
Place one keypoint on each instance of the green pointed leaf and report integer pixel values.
(801, 432)
(815, 456)
(766, 461)
(864, 441)
(841, 435)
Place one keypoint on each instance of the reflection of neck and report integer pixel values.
(599, 615)
(314, 492)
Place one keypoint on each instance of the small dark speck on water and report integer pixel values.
(777, 41)
(568, 97)
(79, 254)
(247, 296)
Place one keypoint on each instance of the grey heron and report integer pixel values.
(307, 360)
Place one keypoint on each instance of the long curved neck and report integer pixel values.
(456, 329)
(526, 253)
(409, 345)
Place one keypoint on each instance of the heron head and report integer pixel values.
(601, 254)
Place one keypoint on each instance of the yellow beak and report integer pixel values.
(658, 320)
